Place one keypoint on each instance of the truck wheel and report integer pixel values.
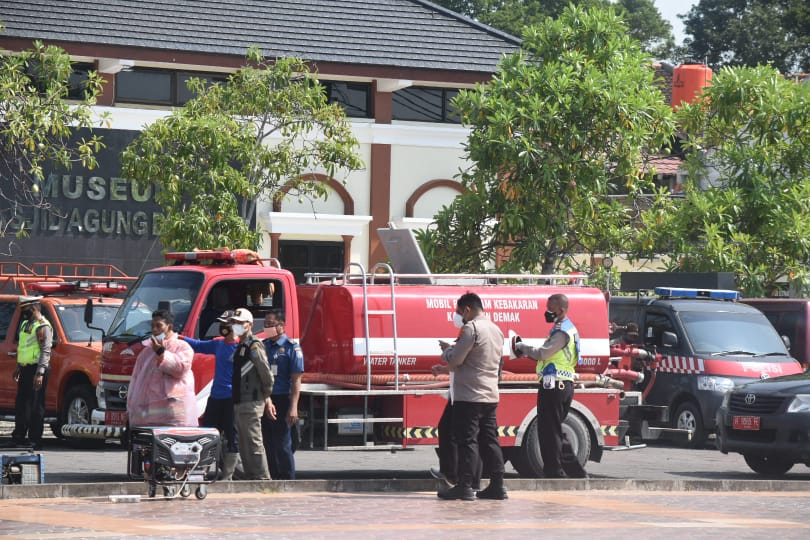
(527, 459)
(768, 465)
(688, 416)
(79, 402)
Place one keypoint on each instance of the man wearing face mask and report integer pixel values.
(556, 360)
(287, 364)
(161, 392)
(219, 408)
(31, 373)
(252, 391)
(475, 361)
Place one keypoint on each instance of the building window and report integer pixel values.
(300, 257)
(77, 83)
(355, 98)
(158, 87)
(422, 104)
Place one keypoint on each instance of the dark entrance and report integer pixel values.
(300, 257)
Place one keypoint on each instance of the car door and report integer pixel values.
(8, 353)
(669, 379)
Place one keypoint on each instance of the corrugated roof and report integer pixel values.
(401, 33)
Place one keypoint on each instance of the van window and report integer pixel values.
(749, 333)
(654, 327)
(6, 314)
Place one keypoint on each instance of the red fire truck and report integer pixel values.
(369, 341)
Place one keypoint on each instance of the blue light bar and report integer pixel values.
(716, 294)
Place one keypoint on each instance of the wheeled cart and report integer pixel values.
(177, 458)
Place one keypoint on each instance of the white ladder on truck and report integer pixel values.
(367, 420)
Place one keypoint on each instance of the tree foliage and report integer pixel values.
(750, 33)
(643, 19)
(749, 142)
(252, 137)
(562, 122)
(36, 125)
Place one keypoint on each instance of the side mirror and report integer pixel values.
(669, 339)
(786, 341)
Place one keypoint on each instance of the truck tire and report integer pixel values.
(688, 416)
(528, 462)
(79, 402)
(768, 465)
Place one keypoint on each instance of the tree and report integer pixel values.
(749, 147)
(512, 16)
(236, 142)
(562, 122)
(750, 33)
(36, 125)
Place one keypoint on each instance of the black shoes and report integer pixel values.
(492, 492)
(457, 492)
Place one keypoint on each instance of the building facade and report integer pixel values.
(394, 66)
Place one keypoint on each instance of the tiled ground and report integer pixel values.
(389, 516)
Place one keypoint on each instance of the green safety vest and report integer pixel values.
(28, 349)
(566, 359)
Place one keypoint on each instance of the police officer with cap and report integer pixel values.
(556, 360)
(31, 373)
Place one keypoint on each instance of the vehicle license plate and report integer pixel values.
(750, 423)
(115, 418)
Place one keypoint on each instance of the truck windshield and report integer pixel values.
(72, 319)
(748, 334)
(176, 290)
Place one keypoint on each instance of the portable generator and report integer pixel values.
(174, 457)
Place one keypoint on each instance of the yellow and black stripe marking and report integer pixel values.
(610, 430)
(398, 432)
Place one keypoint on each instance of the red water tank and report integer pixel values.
(688, 81)
(333, 335)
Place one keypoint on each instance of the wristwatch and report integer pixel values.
(160, 350)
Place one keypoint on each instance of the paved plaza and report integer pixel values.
(546, 514)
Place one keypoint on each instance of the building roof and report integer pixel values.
(393, 33)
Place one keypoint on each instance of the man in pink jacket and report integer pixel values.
(162, 389)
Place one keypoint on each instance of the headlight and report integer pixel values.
(102, 402)
(715, 384)
(800, 403)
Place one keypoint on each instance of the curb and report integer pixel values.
(32, 491)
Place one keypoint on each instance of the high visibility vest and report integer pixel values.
(28, 349)
(567, 358)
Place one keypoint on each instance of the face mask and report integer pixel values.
(238, 329)
(224, 330)
(270, 331)
(550, 316)
(458, 320)
(161, 336)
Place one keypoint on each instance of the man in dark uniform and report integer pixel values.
(287, 364)
(31, 373)
(556, 359)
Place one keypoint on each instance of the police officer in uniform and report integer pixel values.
(287, 364)
(556, 359)
(31, 373)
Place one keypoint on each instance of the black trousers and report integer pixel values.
(552, 407)
(277, 437)
(475, 429)
(219, 414)
(448, 449)
(29, 407)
